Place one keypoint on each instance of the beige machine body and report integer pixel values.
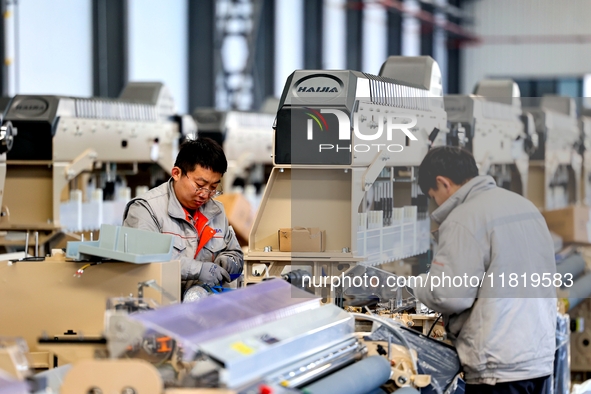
(47, 299)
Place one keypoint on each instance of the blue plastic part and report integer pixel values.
(233, 277)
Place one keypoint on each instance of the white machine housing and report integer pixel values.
(489, 125)
(59, 138)
(584, 149)
(247, 139)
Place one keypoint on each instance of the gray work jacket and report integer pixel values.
(159, 210)
(503, 326)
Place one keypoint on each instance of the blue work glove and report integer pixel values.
(229, 263)
(212, 274)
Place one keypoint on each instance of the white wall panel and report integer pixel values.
(158, 46)
(375, 38)
(289, 39)
(335, 35)
(53, 47)
(547, 21)
(411, 30)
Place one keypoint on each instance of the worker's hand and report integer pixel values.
(212, 274)
(229, 263)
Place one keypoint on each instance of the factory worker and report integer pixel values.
(493, 244)
(185, 207)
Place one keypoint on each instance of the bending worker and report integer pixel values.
(496, 247)
(204, 242)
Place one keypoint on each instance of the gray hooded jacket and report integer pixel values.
(497, 242)
(160, 211)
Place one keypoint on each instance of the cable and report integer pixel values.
(80, 270)
(433, 325)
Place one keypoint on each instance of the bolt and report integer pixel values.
(402, 380)
(128, 390)
(268, 249)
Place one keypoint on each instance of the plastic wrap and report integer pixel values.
(435, 358)
(9, 385)
(228, 313)
(562, 356)
(584, 388)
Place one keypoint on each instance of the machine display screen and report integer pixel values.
(313, 135)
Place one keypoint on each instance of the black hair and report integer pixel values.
(204, 152)
(449, 161)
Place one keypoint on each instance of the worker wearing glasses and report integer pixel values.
(204, 242)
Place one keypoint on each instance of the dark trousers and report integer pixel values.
(531, 386)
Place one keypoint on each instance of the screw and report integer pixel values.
(402, 380)
(128, 390)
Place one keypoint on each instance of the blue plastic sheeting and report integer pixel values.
(435, 358)
(562, 357)
(375, 371)
(228, 313)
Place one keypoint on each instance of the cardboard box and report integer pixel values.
(239, 213)
(572, 223)
(301, 239)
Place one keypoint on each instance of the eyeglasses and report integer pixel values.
(204, 190)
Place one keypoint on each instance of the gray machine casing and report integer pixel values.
(367, 102)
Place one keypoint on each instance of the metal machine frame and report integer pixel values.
(333, 195)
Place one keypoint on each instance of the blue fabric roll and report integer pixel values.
(362, 377)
